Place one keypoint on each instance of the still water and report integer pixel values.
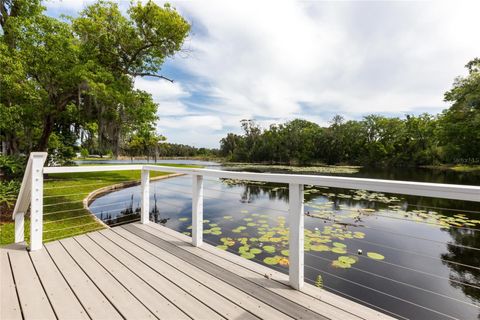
(411, 257)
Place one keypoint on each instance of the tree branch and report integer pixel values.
(146, 74)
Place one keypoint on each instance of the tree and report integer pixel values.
(67, 76)
(459, 126)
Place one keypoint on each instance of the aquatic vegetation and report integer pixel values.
(269, 249)
(339, 250)
(183, 219)
(285, 253)
(222, 247)
(319, 281)
(271, 260)
(247, 255)
(256, 250)
(375, 256)
(310, 169)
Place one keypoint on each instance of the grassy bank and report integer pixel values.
(64, 215)
(456, 167)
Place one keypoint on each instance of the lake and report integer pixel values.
(411, 257)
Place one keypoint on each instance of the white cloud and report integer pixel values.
(168, 95)
(269, 59)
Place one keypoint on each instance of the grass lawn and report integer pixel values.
(63, 196)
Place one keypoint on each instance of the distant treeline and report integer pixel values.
(183, 150)
(450, 137)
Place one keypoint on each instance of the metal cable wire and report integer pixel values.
(73, 234)
(63, 211)
(71, 218)
(283, 271)
(71, 227)
(413, 270)
(247, 204)
(103, 183)
(381, 292)
(357, 299)
(59, 203)
(66, 195)
(367, 227)
(376, 214)
(415, 253)
(397, 281)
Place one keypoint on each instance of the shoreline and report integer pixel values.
(95, 194)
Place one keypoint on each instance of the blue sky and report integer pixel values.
(274, 61)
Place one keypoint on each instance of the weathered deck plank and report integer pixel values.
(283, 305)
(146, 291)
(124, 301)
(63, 301)
(9, 306)
(309, 290)
(148, 271)
(153, 269)
(92, 299)
(229, 292)
(33, 300)
(277, 288)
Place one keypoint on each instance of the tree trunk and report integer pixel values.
(47, 131)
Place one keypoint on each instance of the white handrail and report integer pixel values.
(425, 189)
(36, 159)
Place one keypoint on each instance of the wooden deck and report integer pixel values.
(148, 271)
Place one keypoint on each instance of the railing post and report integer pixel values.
(197, 210)
(145, 209)
(296, 236)
(36, 201)
(20, 227)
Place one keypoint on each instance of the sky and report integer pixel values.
(274, 61)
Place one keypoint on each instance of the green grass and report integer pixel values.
(456, 167)
(63, 196)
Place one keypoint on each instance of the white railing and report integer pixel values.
(33, 181)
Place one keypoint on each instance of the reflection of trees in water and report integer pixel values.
(130, 214)
(464, 256)
(155, 213)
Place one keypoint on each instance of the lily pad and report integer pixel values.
(247, 255)
(339, 250)
(256, 250)
(341, 264)
(183, 219)
(339, 245)
(285, 252)
(375, 256)
(269, 249)
(222, 247)
(271, 260)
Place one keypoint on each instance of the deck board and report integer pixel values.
(283, 305)
(140, 271)
(331, 299)
(33, 299)
(269, 284)
(124, 301)
(179, 300)
(92, 299)
(9, 305)
(231, 293)
(63, 300)
(151, 267)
